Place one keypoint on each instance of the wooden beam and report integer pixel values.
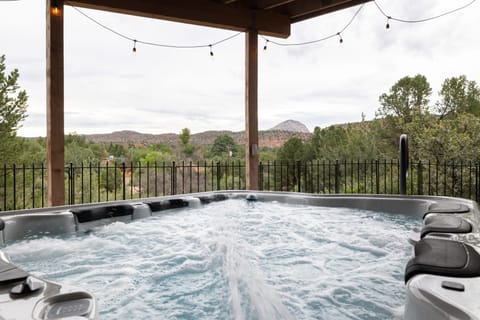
(55, 110)
(234, 16)
(251, 109)
(302, 10)
(270, 4)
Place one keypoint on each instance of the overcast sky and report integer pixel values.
(157, 90)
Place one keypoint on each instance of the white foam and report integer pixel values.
(235, 260)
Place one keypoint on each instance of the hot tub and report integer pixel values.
(441, 275)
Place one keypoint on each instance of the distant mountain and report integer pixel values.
(272, 138)
(133, 137)
(292, 126)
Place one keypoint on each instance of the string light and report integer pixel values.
(211, 45)
(337, 34)
(425, 19)
(356, 14)
(56, 11)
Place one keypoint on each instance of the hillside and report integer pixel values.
(133, 137)
(291, 125)
(272, 138)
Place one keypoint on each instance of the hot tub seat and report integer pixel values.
(443, 258)
(446, 208)
(166, 204)
(445, 224)
(212, 198)
(102, 212)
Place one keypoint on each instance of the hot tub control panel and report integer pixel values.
(23, 296)
(69, 308)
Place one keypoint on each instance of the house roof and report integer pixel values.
(268, 17)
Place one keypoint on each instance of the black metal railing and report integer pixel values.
(455, 179)
(24, 186)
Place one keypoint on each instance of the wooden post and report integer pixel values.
(55, 101)
(251, 109)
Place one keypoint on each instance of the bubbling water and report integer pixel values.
(235, 260)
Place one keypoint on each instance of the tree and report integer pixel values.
(153, 157)
(33, 151)
(407, 97)
(292, 149)
(328, 143)
(341, 143)
(13, 110)
(404, 108)
(184, 136)
(458, 95)
(116, 150)
(78, 150)
(450, 139)
(222, 145)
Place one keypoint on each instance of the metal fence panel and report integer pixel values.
(23, 186)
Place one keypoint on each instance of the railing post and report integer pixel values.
(124, 191)
(461, 179)
(163, 176)
(420, 178)
(106, 180)
(70, 183)
(33, 185)
(275, 175)
(299, 175)
(337, 177)
(156, 179)
(453, 178)
(82, 183)
(114, 180)
(218, 175)
(190, 176)
(260, 176)
(268, 175)
(183, 176)
(174, 178)
(14, 168)
(305, 177)
(403, 164)
(476, 181)
(90, 181)
(206, 175)
(281, 176)
(43, 184)
(23, 186)
(148, 179)
(5, 187)
(98, 181)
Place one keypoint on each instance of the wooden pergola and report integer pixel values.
(265, 17)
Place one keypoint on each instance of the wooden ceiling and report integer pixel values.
(269, 17)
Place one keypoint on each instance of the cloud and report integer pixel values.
(110, 88)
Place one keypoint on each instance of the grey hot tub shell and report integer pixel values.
(433, 290)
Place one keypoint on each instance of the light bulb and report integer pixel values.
(55, 10)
